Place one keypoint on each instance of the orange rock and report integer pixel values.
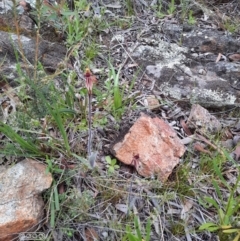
(21, 203)
(154, 146)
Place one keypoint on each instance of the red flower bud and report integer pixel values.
(90, 80)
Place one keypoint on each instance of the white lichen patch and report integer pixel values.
(22, 38)
(232, 67)
(206, 97)
(168, 63)
(5, 5)
(214, 95)
(118, 38)
(159, 52)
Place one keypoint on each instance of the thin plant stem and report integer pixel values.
(38, 4)
(89, 146)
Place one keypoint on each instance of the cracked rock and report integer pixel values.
(154, 146)
(21, 206)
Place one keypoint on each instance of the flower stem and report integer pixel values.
(89, 146)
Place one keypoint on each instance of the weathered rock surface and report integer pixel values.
(153, 144)
(203, 121)
(49, 54)
(189, 70)
(5, 6)
(21, 206)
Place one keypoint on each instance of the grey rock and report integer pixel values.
(228, 144)
(236, 140)
(202, 120)
(190, 71)
(49, 54)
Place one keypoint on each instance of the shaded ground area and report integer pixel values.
(156, 57)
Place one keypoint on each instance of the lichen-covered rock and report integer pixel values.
(190, 71)
(49, 54)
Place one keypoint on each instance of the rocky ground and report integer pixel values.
(163, 155)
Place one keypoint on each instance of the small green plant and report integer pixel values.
(159, 11)
(207, 166)
(185, 4)
(228, 211)
(82, 5)
(111, 164)
(52, 167)
(54, 196)
(91, 51)
(112, 98)
(117, 95)
(130, 236)
(68, 231)
(191, 19)
(129, 6)
(181, 183)
(122, 23)
(76, 27)
(177, 228)
(171, 7)
(54, 205)
(231, 26)
(75, 204)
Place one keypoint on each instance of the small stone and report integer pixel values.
(104, 234)
(163, 114)
(165, 107)
(236, 140)
(195, 55)
(187, 27)
(21, 205)
(151, 102)
(118, 38)
(202, 72)
(228, 144)
(202, 120)
(234, 57)
(180, 78)
(152, 146)
(154, 70)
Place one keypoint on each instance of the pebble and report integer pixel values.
(195, 55)
(165, 107)
(104, 235)
(227, 144)
(236, 140)
(202, 72)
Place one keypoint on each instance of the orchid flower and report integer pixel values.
(90, 80)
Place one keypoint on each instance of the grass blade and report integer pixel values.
(56, 199)
(27, 145)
